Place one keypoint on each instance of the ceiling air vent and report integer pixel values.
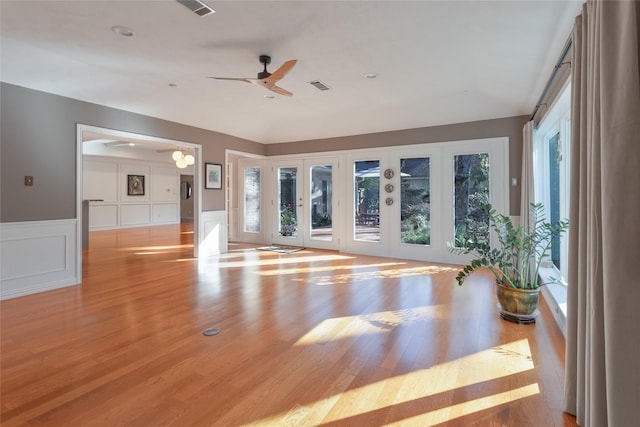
(319, 85)
(197, 7)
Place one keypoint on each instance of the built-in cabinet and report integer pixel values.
(114, 203)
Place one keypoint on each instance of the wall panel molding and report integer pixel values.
(37, 256)
(213, 234)
(105, 184)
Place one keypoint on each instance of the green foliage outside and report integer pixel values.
(417, 230)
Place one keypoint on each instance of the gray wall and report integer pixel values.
(38, 138)
(510, 126)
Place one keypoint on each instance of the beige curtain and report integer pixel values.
(602, 381)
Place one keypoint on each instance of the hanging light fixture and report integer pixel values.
(181, 163)
(182, 160)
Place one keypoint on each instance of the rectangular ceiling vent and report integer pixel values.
(197, 7)
(319, 85)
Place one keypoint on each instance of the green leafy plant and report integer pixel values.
(516, 256)
(416, 230)
(287, 216)
(287, 221)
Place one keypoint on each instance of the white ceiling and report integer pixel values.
(438, 62)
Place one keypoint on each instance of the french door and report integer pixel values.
(302, 204)
(414, 201)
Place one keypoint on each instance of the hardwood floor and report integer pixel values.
(311, 338)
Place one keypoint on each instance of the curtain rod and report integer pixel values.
(557, 67)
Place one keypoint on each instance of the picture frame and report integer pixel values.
(213, 176)
(135, 185)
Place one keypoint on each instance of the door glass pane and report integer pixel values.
(367, 200)
(288, 197)
(252, 200)
(415, 201)
(321, 202)
(471, 191)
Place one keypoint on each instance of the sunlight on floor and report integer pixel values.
(482, 367)
(341, 279)
(476, 405)
(278, 261)
(328, 268)
(491, 372)
(155, 250)
(331, 329)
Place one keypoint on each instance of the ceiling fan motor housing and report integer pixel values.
(264, 59)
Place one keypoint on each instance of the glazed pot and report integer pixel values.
(521, 302)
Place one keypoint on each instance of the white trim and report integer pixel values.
(214, 233)
(197, 179)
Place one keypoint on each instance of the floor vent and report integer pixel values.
(197, 7)
(319, 85)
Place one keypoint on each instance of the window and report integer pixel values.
(470, 192)
(252, 199)
(551, 171)
(366, 215)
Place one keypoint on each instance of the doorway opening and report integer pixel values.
(160, 196)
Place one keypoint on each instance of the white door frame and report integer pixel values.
(198, 181)
(273, 189)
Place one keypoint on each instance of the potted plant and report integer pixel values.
(514, 259)
(287, 221)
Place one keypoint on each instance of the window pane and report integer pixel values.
(288, 198)
(415, 207)
(471, 191)
(252, 200)
(367, 200)
(554, 194)
(321, 202)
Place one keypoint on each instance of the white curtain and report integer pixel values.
(602, 381)
(526, 180)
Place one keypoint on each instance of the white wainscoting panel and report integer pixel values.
(213, 233)
(105, 182)
(165, 213)
(102, 215)
(37, 256)
(135, 214)
(99, 179)
(164, 186)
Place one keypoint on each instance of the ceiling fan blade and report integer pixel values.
(231, 78)
(279, 90)
(282, 71)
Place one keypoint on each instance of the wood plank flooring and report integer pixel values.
(310, 338)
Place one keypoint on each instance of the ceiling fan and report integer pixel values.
(266, 78)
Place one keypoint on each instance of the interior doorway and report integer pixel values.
(186, 198)
(154, 146)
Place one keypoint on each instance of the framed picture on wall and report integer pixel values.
(212, 176)
(135, 185)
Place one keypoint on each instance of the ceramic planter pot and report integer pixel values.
(287, 229)
(521, 303)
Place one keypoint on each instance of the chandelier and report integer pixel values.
(182, 160)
